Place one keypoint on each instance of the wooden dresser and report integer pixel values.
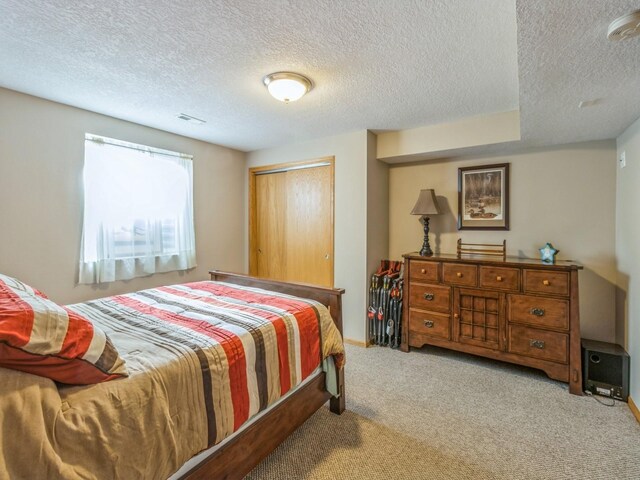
(517, 310)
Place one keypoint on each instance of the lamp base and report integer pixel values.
(426, 251)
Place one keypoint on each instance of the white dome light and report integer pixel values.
(625, 27)
(287, 86)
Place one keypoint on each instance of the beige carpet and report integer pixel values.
(436, 414)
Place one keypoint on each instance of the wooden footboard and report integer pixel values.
(240, 455)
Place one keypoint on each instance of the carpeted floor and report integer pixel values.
(437, 414)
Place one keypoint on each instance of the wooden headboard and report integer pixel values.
(329, 297)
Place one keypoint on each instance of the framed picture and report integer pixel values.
(483, 197)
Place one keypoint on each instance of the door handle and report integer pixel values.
(326, 256)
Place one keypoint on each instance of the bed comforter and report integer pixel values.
(203, 358)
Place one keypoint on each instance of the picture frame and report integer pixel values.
(483, 197)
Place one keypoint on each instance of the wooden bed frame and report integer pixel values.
(240, 455)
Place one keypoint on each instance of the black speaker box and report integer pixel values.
(605, 369)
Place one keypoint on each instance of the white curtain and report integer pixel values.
(138, 211)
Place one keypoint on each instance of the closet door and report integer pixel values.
(309, 240)
(271, 217)
(291, 223)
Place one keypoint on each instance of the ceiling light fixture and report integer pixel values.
(287, 86)
(624, 27)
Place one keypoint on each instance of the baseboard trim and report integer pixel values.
(357, 343)
(634, 409)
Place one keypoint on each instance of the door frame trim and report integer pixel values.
(278, 168)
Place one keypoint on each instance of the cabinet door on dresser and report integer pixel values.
(479, 318)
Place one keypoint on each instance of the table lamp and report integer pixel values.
(426, 205)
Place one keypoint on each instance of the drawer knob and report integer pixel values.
(538, 312)
(429, 296)
(546, 282)
(455, 315)
(537, 344)
(459, 274)
(498, 278)
(428, 323)
(423, 270)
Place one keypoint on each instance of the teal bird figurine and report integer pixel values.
(548, 253)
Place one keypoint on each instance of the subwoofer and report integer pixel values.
(605, 369)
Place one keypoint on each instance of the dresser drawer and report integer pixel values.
(539, 311)
(460, 274)
(500, 278)
(430, 297)
(543, 344)
(431, 324)
(423, 271)
(540, 281)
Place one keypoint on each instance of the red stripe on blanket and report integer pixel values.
(79, 335)
(16, 317)
(283, 354)
(304, 313)
(276, 320)
(229, 341)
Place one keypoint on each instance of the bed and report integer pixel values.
(224, 370)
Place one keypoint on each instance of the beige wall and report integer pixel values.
(377, 207)
(431, 140)
(41, 160)
(563, 195)
(350, 152)
(628, 251)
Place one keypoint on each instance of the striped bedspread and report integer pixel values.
(203, 358)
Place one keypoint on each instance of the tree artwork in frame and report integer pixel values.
(483, 197)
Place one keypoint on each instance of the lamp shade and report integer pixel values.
(427, 203)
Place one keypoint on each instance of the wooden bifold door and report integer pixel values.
(291, 222)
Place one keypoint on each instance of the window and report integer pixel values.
(138, 211)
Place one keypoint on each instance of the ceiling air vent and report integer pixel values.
(589, 103)
(625, 27)
(190, 119)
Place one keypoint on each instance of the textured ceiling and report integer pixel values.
(377, 64)
(564, 58)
